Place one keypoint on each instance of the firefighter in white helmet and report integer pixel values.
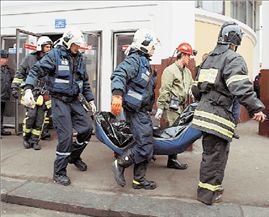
(132, 85)
(67, 81)
(34, 117)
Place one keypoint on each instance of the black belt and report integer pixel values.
(66, 99)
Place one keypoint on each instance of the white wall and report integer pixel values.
(265, 35)
(172, 21)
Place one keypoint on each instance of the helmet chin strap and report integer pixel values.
(235, 49)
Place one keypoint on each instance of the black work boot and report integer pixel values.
(119, 165)
(175, 164)
(26, 142)
(36, 145)
(61, 179)
(140, 181)
(45, 136)
(209, 197)
(79, 164)
(74, 158)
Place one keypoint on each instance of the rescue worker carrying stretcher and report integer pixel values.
(65, 70)
(34, 118)
(176, 82)
(222, 78)
(132, 85)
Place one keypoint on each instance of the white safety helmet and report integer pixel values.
(43, 40)
(73, 36)
(144, 40)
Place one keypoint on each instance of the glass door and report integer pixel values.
(92, 54)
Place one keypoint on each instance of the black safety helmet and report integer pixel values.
(4, 54)
(230, 33)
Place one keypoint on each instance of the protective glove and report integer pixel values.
(93, 107)
(29, 98)
(116, 105)
(15, 92)
(159, 114)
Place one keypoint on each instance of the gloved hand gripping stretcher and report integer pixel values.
(172, 140)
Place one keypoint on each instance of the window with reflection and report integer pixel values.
(213, 6)
(246, 11)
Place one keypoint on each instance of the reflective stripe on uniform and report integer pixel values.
(145, 77)
(136, 182)
(46, 120)
(26, 130)
(63, 68)
(213, 127)
(79, 143)
(236, 78)
(63, 81)
(210, 187)
(135, 95)
(48, 104)
(17, 80)
(214, 118)
(36, 132)
(208, 75)
(22, 100)
(63, 153)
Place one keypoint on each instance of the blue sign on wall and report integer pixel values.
(60, 23)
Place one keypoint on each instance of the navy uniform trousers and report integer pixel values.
(67, 116)
(142, 130)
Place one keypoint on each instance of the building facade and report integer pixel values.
(109, 26)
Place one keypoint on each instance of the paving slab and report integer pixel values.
(27, 179)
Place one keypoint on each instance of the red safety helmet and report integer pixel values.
(186, 48)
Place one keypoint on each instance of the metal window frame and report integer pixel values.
(115, 35)
(99, 35)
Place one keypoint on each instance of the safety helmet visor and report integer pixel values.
(230, 33)
(73, 36)
(145, 40)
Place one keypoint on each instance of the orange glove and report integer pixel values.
(116, 105)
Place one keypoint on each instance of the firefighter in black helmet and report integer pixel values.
(222, 78)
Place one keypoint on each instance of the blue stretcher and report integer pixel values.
(172, 140)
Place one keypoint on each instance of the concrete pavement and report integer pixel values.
(26, 179)
(11, 210)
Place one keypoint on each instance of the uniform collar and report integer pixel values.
(179, 67)
(219, 49)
